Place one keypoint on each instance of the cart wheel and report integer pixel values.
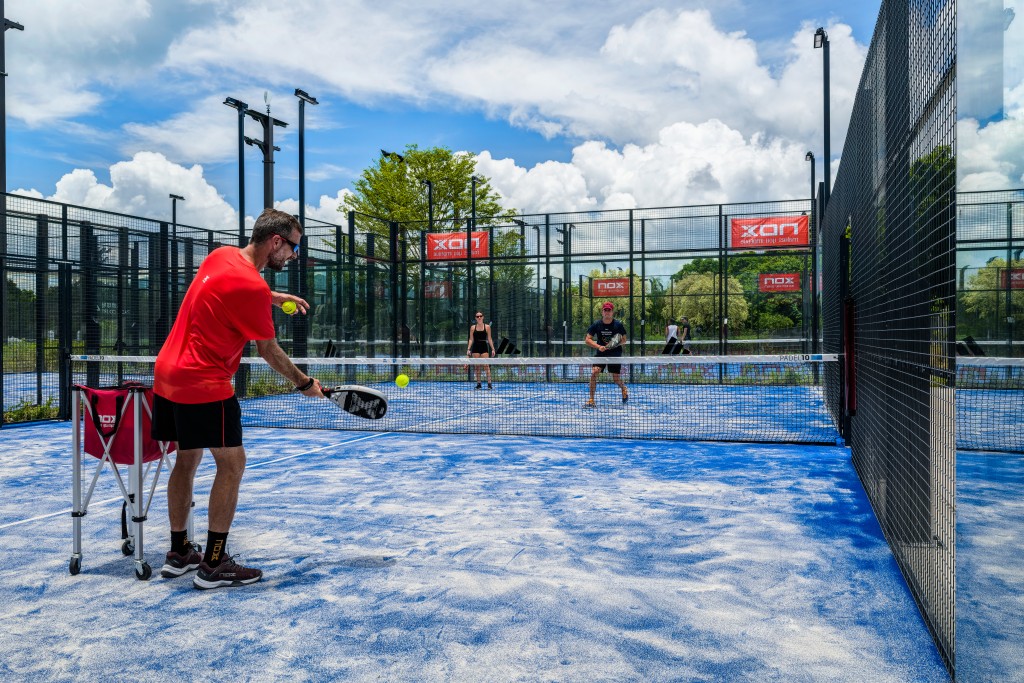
(144, 573)
(127, 548)
(75, 566)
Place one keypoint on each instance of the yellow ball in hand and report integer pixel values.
(402, 380)
(289, 307)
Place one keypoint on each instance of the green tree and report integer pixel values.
(393, 189)
(694, 295)
(985, 294)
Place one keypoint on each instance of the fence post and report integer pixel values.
(90, 299)
(65, 337)
(42, 282)
(371, 300)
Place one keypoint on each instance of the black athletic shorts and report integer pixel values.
(614, 368)
(217, 424)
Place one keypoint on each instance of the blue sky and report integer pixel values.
(569, 105)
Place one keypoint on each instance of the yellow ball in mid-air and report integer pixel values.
(289, 307)
(402, 380)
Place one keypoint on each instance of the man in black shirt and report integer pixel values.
(607, 335)
(684, 334)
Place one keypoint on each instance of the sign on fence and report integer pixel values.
(610, 286)
(771, 231)
(779, 282)
(451, 246)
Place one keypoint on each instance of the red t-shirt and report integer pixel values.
(227, 305)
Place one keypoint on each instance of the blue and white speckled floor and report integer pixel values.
(410, 557)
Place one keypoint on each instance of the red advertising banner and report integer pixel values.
(451, 246)
(779, 282)
(773, 231)
(1014, 277)
(437, 290)
(610, 286)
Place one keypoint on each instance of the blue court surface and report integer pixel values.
(989, 577)
(413, 557)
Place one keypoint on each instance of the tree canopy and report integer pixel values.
(394, 188)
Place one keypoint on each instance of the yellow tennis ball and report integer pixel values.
(289, 307)
(402, 380)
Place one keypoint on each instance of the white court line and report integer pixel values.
(248, 467)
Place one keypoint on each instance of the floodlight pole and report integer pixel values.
(304, 97)
(302, 323)
(821, 41)
(3, 185)
(241, 108)
(816, 221)
(266, 146)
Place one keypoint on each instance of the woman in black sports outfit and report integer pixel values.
(479, 341)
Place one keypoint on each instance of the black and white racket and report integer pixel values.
(363, 402)
(616, 340)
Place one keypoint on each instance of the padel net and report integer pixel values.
(763, 398)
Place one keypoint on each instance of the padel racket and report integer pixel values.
(363, 402)
(615, 341)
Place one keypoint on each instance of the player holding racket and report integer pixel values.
(227, 305)
(607, 336)
(479, 341)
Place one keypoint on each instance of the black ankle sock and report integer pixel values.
(216, 543)
(179, 542)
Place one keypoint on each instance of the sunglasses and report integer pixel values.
(295, 247)
(479, 316)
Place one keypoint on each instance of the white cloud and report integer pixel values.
(326, 210)
(663, 68)
(71, 51)
(990, 158)
(689, 164)
(140, 187)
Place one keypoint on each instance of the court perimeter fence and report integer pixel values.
(80, 280)
(890, 301)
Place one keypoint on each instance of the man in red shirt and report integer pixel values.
(227, 305)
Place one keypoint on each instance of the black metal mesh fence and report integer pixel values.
(895, 314)
(85, 281)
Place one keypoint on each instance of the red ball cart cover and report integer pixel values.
(110, 423)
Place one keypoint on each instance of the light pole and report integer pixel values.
(266, 145)
(8, 24)
(3, 179)
(241, 108)
(816, 221)
(821, 41)
(304, 97)
(302, 323)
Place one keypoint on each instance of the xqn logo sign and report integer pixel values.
(457, 243)
(770, 230)
(107, 420)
